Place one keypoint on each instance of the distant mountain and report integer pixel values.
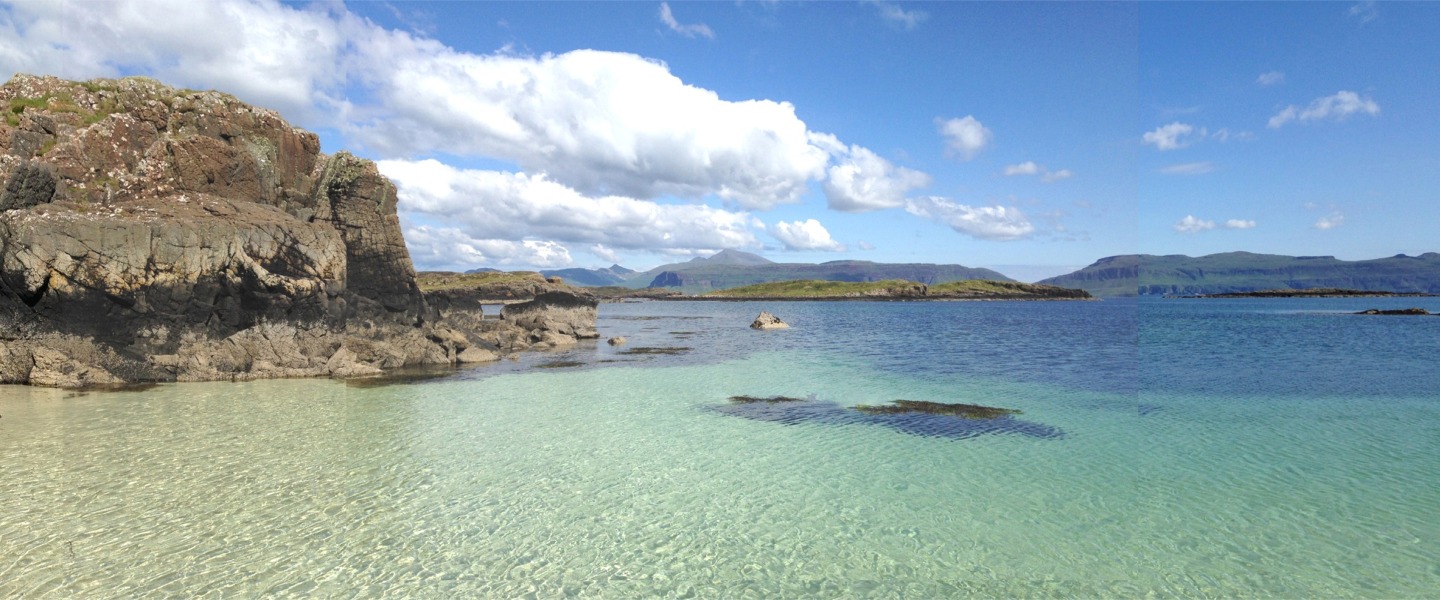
(482, 270)
(1148, 274)
(612, 275)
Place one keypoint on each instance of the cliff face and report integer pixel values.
(153, 234)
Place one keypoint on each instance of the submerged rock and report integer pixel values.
(795, 411)
(768, 321)
(770, 399)
(656, 350)
(1399, 311)
(966, 411)
(616, 341)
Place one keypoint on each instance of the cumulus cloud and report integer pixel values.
(965, 137)
(1190, 224)
(452, 249)
(516, 206)
(805, 235)
(1270, 78)
(1330, 221)
(1239, 224)
(603, 123)
(271, 54)
(893, 14)
(698, 29)
(1190, 168)
(983, 222)
(863, 181)
(1029, 168)
(1333, 108)
(1169, 137)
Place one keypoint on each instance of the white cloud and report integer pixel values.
(1029, 168)
(1335, 108)
(434, 248)
(604, 253)
(698, 29)
(900, 17)
(1054, 176)
(518, 206)
(599, 122)
(1190, 224)
(864, 245)
(1270, 78)
(1330, 221)
(805, 235)
(1365, 12)
(271, 54)
(984, 222)
(1190, 168)
(864, 181)
(1026, 168)
(965, 137)
(1239, 224)
(1224, 135)
(1169, 137)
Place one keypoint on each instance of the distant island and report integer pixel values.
(895, 289)
(1313, 293)
(733, 268)
(1240, 272)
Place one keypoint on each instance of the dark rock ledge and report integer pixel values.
(154, 234)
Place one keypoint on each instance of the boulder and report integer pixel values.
(616, 341)
(768, 321)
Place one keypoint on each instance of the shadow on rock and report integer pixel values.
(952, 425)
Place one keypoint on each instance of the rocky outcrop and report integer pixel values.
(768, 321)
(554, 318)
(156, 234)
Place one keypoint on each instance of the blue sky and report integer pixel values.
(1032, 138)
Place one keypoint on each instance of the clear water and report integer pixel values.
(1167, 447)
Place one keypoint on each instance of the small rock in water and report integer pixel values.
(768, 321)
(616, 341)
(1401, 311)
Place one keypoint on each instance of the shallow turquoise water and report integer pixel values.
(1199, 448)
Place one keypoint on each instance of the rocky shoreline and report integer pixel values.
(151, 234)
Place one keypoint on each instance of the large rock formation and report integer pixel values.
(156, 234)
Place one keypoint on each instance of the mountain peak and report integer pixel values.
(736, 257)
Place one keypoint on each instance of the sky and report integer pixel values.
(1031, 138)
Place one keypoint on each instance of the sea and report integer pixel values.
(1163, 447)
